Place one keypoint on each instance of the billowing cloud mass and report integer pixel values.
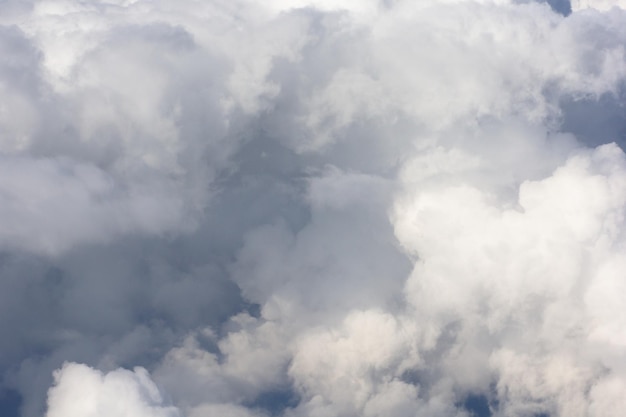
(312, 208)
(82, 391)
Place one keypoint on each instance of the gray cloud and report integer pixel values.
(302, 209)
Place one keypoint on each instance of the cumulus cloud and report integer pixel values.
(312, 208)
(83, 391)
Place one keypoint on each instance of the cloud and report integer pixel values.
(85, 202)
(599, 5)
(83, 391)
(543, 333)
(299, 209)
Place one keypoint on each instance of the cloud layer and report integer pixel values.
(305, 209)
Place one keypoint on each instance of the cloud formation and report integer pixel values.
(82, 391)
(306, 209)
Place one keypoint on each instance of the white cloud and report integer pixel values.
(604, 5)
(377, 208)
(85, 392)
(535, 275)
(607, 397)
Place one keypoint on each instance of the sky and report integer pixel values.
(312, 208)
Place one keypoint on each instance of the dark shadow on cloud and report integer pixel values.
(596, 120)
(477, 405)
(10, 403)
(28, 307)
(275, 402)
(426, 377)
(142, 295)
(480, 405)
(561, 6)
(484, 404)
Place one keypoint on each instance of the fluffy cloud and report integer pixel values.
(306, 209)
(545, 333)
(599, 4)
(82, 391)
